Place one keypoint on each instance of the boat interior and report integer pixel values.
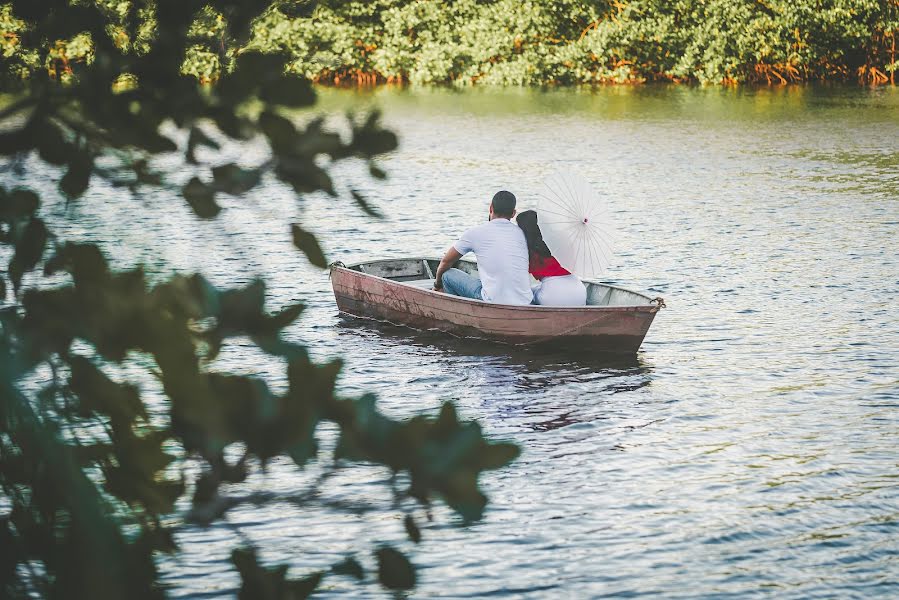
(419, 272)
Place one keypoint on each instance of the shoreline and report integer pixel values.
(375, 80)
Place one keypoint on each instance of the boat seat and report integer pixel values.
(424, 284)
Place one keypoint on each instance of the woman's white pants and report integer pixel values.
(562, 290)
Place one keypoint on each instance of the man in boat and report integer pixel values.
(502, 253)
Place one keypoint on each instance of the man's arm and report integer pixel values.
(449, 259)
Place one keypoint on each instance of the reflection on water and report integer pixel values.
(748, 450)
(504, 369)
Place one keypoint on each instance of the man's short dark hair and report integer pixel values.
(503, 204)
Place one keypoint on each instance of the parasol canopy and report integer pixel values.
(576, 224)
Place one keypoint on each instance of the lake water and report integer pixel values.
(750, 449)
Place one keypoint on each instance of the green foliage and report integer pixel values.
(514, 42)
(90, 480)
(510, 42)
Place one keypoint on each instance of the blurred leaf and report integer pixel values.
(232, 125)
(412, 529)
(92, 453)
(242, 309)
(201, 198)
(367, 208)
(350, 567)
(260, 583)
(395, 572)
(159, 539)
(135, 477)
(315, 141)
(196, 138)
(285, 317)
(308, 245)
(16, 141)
(370, 139)
(257, 67)
(18, 204)
(100, 394)
(499, 455)
(281, 133)
(252, 70)
(10, 553)
(303, 588)
(376, 171)
(144, 175)
(289, 91)
(234, 180)
(84, 261)
(304, 175)
(74, 183)
(52, 146)
(28, 252)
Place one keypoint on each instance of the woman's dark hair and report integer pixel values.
(527, 220)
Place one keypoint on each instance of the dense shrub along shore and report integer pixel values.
(532, 42)
(562, 42)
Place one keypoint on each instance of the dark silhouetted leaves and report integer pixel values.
(304, 175)
(370, 139)
(98, 470)
(100, 394)
(201, 198)
(498, 455)
(261, 74)
(13, 142)
(234, 180)
(52, 145)
(443, 456)
(367, 208)
(308, 245)
(10, 553)
(350, 567)
(85, 262)
(260, 583)
(17, 205)
(315, 141)
(135, 477)
(232, 124)
(289, 91)
(29, 250)
(195, 139)
(412, 529)
(159, 539)
(281, 133)
(74, 183)
(395, 572)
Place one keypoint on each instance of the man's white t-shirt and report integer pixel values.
(502, 261)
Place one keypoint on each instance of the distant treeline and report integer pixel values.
(533, 42)
(564, 42)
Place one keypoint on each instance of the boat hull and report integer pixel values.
(612, 329)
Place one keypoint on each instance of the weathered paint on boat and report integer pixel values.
(399, 292)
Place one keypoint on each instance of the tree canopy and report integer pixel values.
(513, 42)
(91, 475)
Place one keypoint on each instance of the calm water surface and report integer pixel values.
(750, 449)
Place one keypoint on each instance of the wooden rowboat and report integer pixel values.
(399, 291)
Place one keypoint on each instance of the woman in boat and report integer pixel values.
(557, 287)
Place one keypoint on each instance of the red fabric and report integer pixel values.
(545, 267)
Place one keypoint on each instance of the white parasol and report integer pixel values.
(576, 224)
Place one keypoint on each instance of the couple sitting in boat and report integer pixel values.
(507, 253)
